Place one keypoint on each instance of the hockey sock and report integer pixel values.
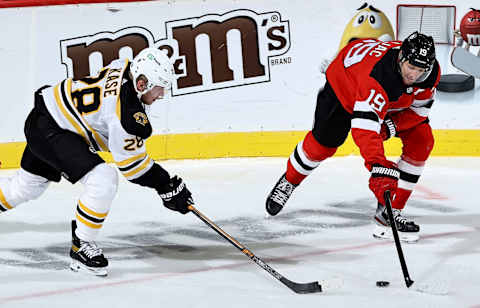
(305, 158)
(401, 197)
(410, 172)
(92, 208)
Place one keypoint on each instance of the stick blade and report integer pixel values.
(466, 61)
(408, 282)
(302, 288)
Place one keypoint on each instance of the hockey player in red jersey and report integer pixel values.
(73, 120)
(376, 90)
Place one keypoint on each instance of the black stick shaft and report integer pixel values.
(388, 204)
(296, 287)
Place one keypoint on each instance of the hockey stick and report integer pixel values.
(302, 288)
(388, 204)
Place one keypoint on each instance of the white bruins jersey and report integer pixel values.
(92, 108)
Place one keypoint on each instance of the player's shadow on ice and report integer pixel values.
(178, 258)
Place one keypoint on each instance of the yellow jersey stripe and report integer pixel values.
(119, 109)
(87, 223)
(89, 211)
(131, 159)
(4, 201)
(96, 137)
(139, 169)
(65, 113)
(99, 140)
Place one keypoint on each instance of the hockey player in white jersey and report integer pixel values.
(73, 120)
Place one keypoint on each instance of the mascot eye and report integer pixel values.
(471, 19)
(375, 20)
(360, 19)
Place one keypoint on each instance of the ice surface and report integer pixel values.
(164, 259)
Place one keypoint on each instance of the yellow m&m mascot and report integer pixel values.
(368, 22)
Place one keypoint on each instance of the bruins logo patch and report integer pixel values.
(141, 118)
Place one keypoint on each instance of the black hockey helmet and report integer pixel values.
(419, 50)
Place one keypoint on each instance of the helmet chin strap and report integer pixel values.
(424, 76)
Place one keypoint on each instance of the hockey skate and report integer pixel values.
(408, 231)
(279, 195)
(86, 256)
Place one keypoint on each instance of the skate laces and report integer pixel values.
(283, 191)
(382, 216)
(397, 216)
(90, 249)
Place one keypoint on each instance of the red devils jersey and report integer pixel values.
(367, 82)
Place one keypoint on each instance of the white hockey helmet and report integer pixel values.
(156, 66)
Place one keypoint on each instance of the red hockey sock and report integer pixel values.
(314, 150)
(308, 154)
(292, 175)
(401, 197)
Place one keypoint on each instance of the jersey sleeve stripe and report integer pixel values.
(362, 106)
(139, 170)
(421, 111)
(130, 160)
(423, 103)
(366, 124)
(367, 115)
(125, 169)
(133, 165)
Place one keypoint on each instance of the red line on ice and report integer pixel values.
(206, 269)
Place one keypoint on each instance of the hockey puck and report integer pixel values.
(456, 83)
(382, 284)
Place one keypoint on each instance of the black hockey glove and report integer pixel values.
(388, 129)
(176, 196)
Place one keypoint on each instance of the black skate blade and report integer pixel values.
(76, 266)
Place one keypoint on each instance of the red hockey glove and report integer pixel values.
(388, 129)
(383, 177)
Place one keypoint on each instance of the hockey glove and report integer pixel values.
(383, 177)
(176, 196)
(388, 129)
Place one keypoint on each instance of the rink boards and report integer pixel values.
(248, 71)
(262, 144)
